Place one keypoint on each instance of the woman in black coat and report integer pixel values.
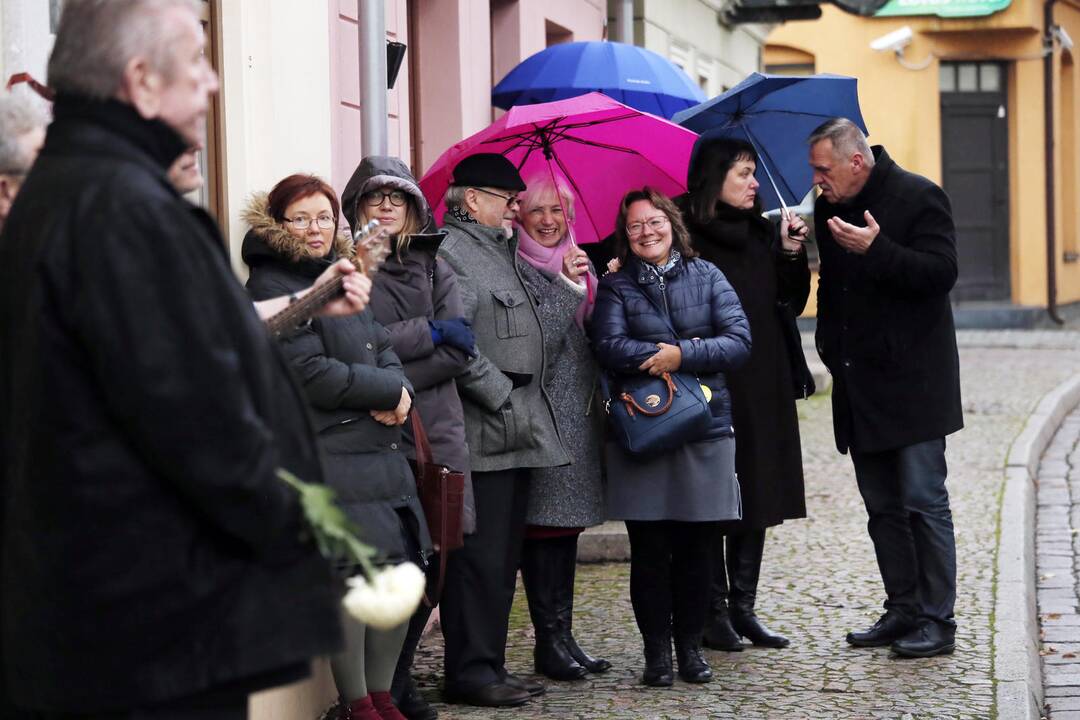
(671, 501)
(769, 272)
(359, 398)
(415, 297)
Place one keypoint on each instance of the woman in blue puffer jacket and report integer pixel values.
(671, 501)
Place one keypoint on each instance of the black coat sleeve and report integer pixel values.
(924, 264)
(792, 278)
(331, 384)
(159, 322)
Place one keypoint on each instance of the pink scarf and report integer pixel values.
(550, 260)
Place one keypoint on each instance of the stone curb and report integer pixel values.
(1017, 669)
(608, 542)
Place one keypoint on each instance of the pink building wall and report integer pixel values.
(461, 49)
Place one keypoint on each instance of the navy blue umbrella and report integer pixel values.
(632, 75)
(777, 113)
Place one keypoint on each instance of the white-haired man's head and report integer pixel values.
(146, 53)
(22, 132)
(841, 159)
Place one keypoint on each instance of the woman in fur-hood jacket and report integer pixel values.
(359, 398)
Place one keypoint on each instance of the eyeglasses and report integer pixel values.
(375, 197)
(511, 200)
(303, 222)
(657, 224)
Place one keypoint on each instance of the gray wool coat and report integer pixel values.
(505, 427)
(572, 495)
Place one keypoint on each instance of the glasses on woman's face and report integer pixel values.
(303, 222)
(637, 229)
(375, 197)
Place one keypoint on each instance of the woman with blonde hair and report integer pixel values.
(563, 501)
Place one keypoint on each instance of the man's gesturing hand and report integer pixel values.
(852, 238)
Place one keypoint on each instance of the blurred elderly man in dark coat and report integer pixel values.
(885, 331)
(154, 566)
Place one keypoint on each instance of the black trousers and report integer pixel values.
(912, 528)
(480, 582)
(670, 572)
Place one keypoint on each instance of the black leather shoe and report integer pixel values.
(889, 627)
(692, 667)
(720, 635)
(412, 704)
(587, 661)
(927, 640)
(497, 694)
(658, 671)
(750, 627)
(532, 687)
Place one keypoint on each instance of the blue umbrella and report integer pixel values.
(634, 76)
(777, 113)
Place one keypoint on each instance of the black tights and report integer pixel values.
(670, 571)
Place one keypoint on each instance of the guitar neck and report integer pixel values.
(305, 308)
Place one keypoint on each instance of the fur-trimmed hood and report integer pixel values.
(269, 241)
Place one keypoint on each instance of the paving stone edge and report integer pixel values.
(1017, 670)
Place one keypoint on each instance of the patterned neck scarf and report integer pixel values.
(462, 215)
(659, 271)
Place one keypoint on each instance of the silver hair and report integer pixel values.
(96, 39)
(455, 196)
(540, 185)
(19, 115)
(846, 138)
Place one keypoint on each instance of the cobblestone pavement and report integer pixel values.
(1057, 548)
(820, 580)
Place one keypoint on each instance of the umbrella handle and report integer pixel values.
(761, 159)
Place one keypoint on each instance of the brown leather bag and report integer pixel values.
(442, 495)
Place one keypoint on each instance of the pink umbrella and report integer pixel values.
(601, 147)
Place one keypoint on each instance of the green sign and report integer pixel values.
(942, 8)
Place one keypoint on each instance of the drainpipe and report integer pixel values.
(1051, 210)
(372, 37)
(624, 21)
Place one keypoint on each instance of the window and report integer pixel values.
(211, 195)
(967, 77)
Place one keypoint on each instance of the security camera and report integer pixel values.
(896, 41)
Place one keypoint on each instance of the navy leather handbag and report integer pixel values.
(653, 414)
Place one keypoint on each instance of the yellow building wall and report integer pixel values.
(902, 110)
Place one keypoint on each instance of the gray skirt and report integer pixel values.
(694, 483)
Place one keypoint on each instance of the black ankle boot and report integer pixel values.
(744, 552)
(658, 671)
(412, 704)
(692, 666)
(719, 633)
(541, 571)
(564, 605)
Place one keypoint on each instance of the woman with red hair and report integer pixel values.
(359, 398)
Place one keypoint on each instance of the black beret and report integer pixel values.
(488, 170)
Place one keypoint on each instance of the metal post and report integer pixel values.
(624, 21)
(372, 36)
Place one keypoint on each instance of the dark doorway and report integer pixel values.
(975, 168)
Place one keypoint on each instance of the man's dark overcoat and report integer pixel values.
(885, 326)
(149, 550)
(768, 455)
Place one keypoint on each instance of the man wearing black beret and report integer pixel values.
(509, 425)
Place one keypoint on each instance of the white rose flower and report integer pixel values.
(389, 599)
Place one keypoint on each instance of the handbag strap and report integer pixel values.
(424, 458)
(420, 439)
(632, 404)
